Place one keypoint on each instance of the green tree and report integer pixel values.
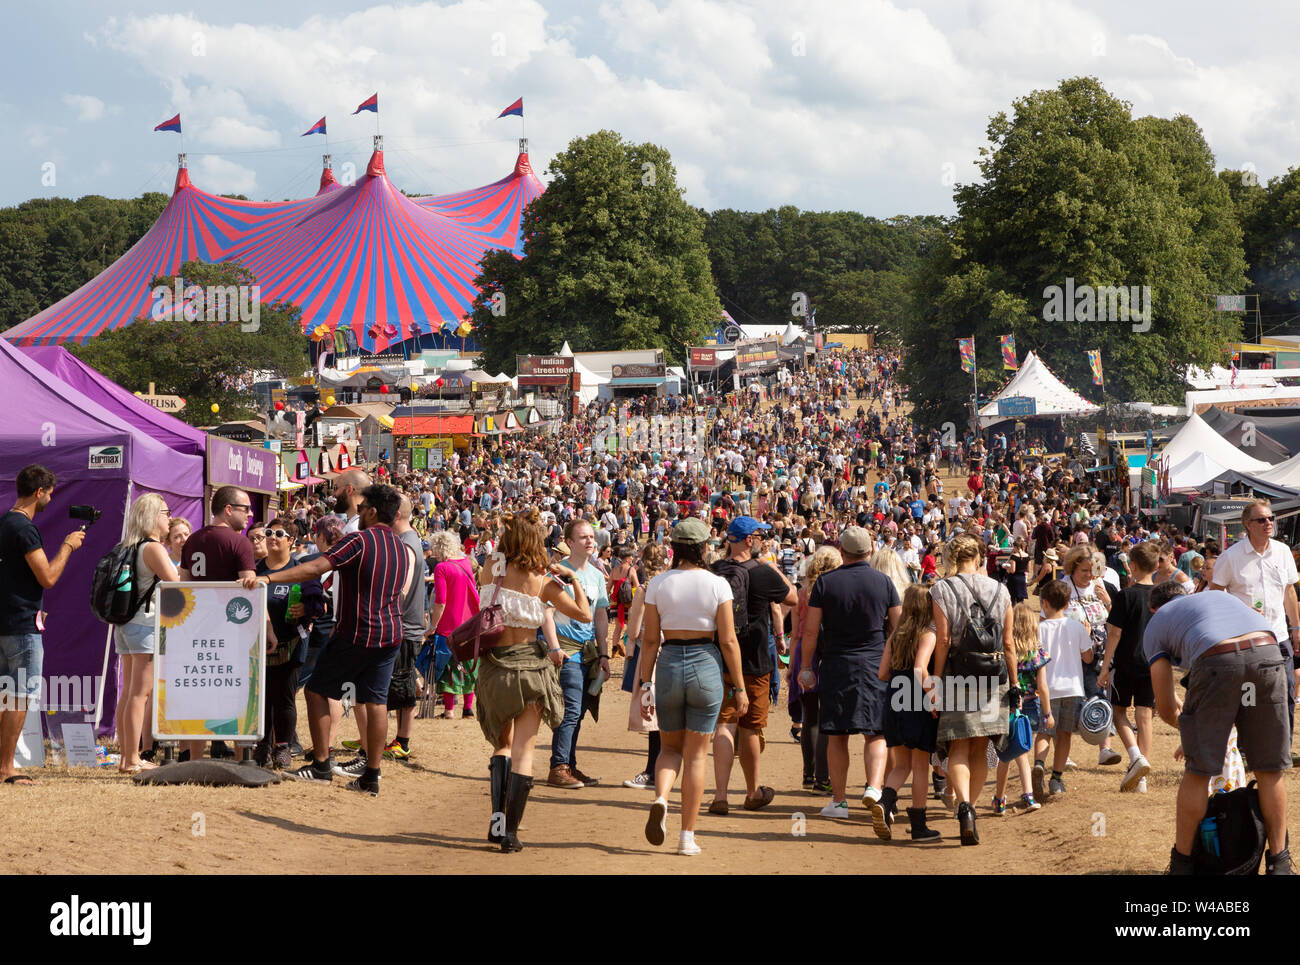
(203, 361)
(615, 259)
(1072, 188)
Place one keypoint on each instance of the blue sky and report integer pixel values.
(869, 105)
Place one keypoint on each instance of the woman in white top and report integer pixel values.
(687, 607)
(148, 525)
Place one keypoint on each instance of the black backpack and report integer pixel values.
(737, 577)
(1238, 834)
(979, 652)
(115, 593)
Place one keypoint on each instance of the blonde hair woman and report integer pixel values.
(147, 525)
(967, 729)
(177, 533)
(888, 561)
(816, 772)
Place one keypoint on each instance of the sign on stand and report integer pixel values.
(209, 671)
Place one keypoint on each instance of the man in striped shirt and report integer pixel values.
(373, 573)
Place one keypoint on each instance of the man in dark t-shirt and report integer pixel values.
(766, 587)
(1124, 674)
(25, 574)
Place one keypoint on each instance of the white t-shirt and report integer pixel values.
(1065, 641)
(688, 599)
(1259, 580)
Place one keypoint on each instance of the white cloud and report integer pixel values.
(216, 175)
(867, 105)
(88, 108)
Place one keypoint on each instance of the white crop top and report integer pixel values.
(520, 609)
(688, 599)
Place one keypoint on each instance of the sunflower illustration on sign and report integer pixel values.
(175, 604)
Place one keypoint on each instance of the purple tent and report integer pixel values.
(170, 431)
(100, 460)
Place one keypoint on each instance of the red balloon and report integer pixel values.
(279, 406)
(383, 390)
(438, 383)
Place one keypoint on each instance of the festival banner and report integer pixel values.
(967, 348)
(1094, 362)
(1009, 352)
(209, 670)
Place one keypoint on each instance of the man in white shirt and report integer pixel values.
(1261, 572)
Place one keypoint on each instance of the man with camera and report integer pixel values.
(25, 574)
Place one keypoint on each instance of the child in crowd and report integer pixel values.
(911, 729)
(1031, 674)
(1069, 646)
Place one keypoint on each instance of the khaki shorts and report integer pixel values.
(758, 689)
(1216, 688)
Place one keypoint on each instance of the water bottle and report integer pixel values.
(1210, 836)
(122, 592)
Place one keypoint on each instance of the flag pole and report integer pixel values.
(975, 397)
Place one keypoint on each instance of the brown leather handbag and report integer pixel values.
(483, 631)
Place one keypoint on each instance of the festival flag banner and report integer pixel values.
(371, 103)
(967, 348)
(317, 128)
(517, 109)
(1009, 352)
(173, 125)
(1094, 362)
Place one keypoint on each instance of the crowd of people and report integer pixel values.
(917, 588)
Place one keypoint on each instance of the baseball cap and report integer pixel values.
(425, 543)
(742, 527)
(856, 541)
(691, 529)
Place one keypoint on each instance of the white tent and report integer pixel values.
(590, 382)
(1051, 396)
(791, 334)
(1196, 436)
(1285, 473)
(564, 349)
(1194, 472)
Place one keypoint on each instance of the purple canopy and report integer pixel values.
(100, 460)
(170, 431)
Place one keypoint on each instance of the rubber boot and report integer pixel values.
(919, 831)
(499, 769)
(516, 799)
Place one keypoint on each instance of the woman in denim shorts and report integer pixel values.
(686, 608)
(146, 527)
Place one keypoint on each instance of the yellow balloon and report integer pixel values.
(215, 408)
(330, 400)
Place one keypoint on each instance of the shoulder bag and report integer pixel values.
(482, 631)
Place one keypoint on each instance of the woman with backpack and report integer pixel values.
(971, 619)
(146, 529)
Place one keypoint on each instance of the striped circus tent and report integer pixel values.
(362, 256)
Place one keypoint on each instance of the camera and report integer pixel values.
(87, 514)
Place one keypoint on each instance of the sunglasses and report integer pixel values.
(277, 533)
(1262, 519)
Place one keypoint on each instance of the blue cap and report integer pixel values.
(742, 527)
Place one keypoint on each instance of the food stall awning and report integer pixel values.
(433, 425)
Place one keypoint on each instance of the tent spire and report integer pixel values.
(376, 166)
(182, 172)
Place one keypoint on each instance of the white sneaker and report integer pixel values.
(834, 810)
(1142, 786)
(687, 845)
(1070, 765)
(1108, 755)
(1136, 772)
(642, 781)
(871, 796)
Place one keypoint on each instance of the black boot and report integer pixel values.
(1280, 863)
(1180, 864)
(966, 821)
(516, 799)
(499, 769)
(919, 831)
(882, 813)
